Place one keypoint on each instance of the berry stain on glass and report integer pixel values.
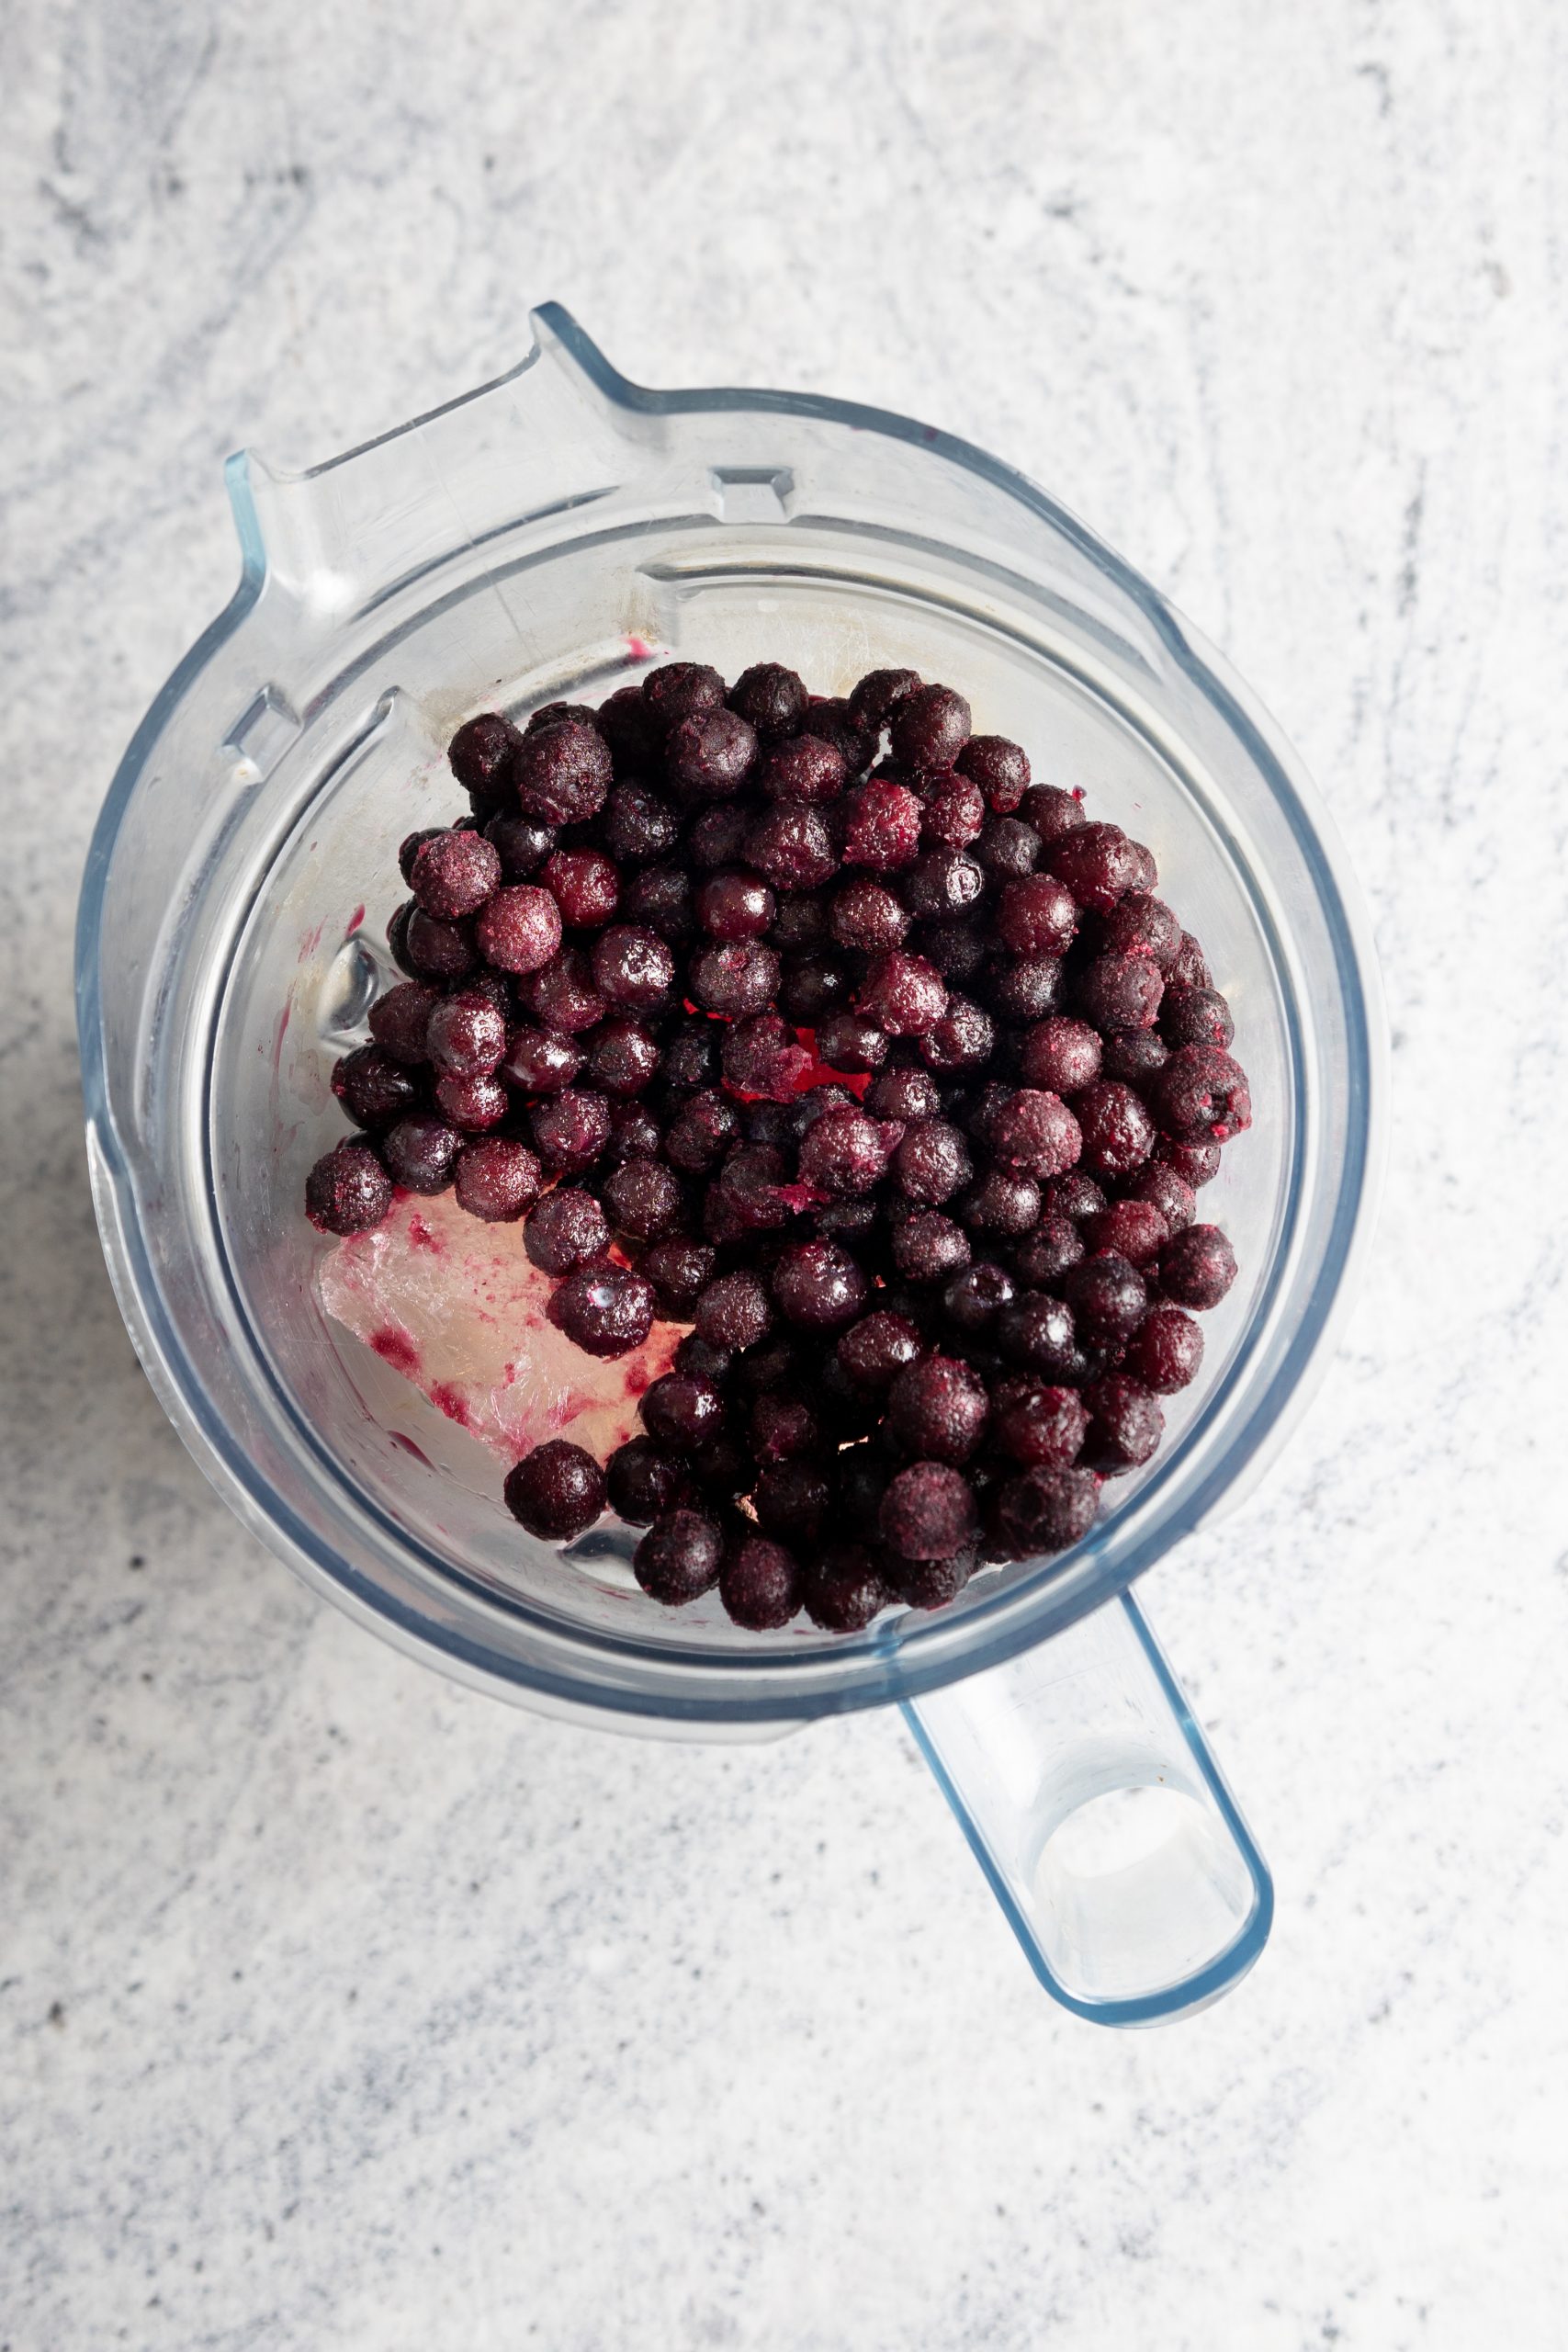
(787, 1137)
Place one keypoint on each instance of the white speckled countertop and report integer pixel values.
(343, 2010)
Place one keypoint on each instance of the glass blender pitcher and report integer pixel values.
(531, 542)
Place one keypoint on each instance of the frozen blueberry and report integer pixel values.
(474, 1105)
(570, 1129)
(1136, 1056)
(829, 717)
(643, 1479)
(1197, 1267)
(928, 1247)
(876, 1348)
(1042, 1257)
(348, 1190)
(1121, 992)
(932, 1162)
(845, 1588)
(709, 755)
(770, 698)
(497, 1178)
(792, 1500)
(929, 728)
(1164, 1352)
(1196, 1017)
(435, 950)
(564, 1230)
(626, 724)
(584, 886)
(1164, 1190)
(927, 1512)
(680, 1270)
(421, 1152)
(561, 994)
(844, 1152)
(1041, 1427)
(941, 882)
(760, 1584)
(636, 824)
(818, 1284)
(973, 1298)
(1021, 987)
(556, 1491)
(719, 836)
(632, 966)
(1201, 1096)
(851, 1041)
(1117, 1131)
(1126, 1427)
(400, 1019)
(1052, 812)
(1131, 1229)
(904, 1091)
(783, 1427)
(805, 770)
(904, 994)
(562, 772)
(537, 1061)
(1033, 1133)
(867, 915)
(453, 875)
(1036, 915)
(938, 1408)
(1061, 1055)
(881, 826)
(734, 1311)
(761, 1054)
(873, 701)
(1008, 849)
(373, 1088)
(480, 754)
(522, 844)
(732, 904)
(1189, 966)
(605, 1310)
(682, 1409)
(1039, 1333)
(519, 929)
(679, 690)
(680, 1557)
(789, 843)
(1000, 768)
(643, 1199)
(954, 815)
(1196, 1163)
(1002, 1203)
(466, 1035)
(1108, 1297)
(963, 1037)
(1098, 864)
(623, 1056)
(1141, 924)
(1043, 1511)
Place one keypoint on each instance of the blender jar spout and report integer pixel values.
(1095, 1808)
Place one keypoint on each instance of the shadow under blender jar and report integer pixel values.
(531, 542)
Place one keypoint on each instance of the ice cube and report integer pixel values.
(456, 1306)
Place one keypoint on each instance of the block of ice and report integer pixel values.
(455, 1306)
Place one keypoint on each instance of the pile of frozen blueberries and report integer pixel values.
(816, 1025)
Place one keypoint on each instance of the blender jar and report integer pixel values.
(536, 541)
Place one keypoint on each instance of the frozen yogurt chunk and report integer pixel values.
(456, 1307)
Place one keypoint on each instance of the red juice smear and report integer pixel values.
(640, 649)
(398, 1349)
(452, 1402)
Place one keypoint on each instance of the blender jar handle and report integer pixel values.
(1095, 1808)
